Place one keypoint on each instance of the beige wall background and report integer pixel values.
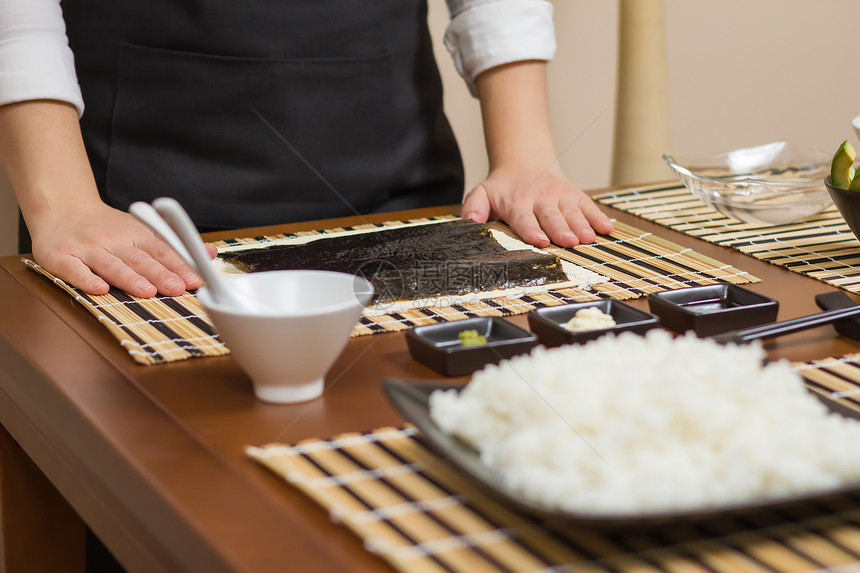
(741, 73)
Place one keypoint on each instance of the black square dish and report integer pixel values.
(548, 323)
(712, 309)
(438, 345)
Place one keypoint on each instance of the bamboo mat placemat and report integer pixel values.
(416, 512)
(166, 329)
(834, 378)
(421, 515)
(152, 330)
(821, 247)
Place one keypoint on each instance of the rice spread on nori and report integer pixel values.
(414, 262)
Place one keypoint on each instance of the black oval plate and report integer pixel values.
(411, 398)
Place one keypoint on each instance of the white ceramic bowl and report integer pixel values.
(287, 348)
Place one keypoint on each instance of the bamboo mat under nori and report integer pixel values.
(422, 515)
(821, 247)
(166, 329)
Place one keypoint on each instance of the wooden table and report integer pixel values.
(151, 457)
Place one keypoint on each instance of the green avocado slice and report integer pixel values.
(855, 182)
(840, 169)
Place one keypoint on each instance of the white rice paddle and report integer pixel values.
(167, 218)
(284, 328)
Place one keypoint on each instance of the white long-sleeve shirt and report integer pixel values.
(484, 34)
(37, 63)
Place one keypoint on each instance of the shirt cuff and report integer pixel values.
(32, 68)
(491, 33)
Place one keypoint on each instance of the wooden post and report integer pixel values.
(642, 102)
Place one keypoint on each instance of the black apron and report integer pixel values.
(261, 112)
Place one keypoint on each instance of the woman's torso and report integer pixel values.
(265, 111)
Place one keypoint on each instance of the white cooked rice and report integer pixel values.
(634, 424)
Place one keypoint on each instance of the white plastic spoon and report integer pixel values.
(146, 213)
(167, 218)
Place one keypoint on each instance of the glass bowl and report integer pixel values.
(773, 184)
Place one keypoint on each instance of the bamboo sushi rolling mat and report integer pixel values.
(166, 329)
(422, 515)
(821, 247)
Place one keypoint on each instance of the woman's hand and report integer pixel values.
(525, 186)
(101, 246)
(540, 206)
(76, 237)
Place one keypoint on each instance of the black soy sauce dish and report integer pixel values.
(439, 347)
(548, 323)
(712, 309)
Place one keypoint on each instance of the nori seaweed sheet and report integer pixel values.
(414, 262)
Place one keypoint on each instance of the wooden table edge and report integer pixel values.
(118, 518)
